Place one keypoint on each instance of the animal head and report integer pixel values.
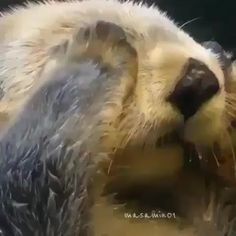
(182, 87)
(172, 87)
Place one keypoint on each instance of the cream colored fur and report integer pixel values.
(28, 33)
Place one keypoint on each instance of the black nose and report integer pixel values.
(197, 85)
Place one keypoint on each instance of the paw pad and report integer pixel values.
(109, 31)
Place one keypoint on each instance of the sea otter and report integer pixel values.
(159, 100)
(170, 90)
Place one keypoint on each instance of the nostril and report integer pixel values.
(197, 85)
(210, 87)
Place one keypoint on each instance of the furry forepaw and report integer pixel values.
(103, 42)
(102, 32)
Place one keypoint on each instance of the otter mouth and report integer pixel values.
(175, 137)
(172, 138)
(192, 155)
(209, 160)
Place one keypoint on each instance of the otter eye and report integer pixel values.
(224, 58)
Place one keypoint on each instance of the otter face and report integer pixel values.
(181, 88)
(172, 88)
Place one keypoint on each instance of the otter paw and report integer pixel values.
(103, 43)
(102, 32)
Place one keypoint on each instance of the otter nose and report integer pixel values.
(197, 85)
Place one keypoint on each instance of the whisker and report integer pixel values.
(230, 104)
(137, 128)
(230, 97)
(231, 114)
(215, 157)
(189, 21)
(109, 167)
(230, 108)
(199, 153)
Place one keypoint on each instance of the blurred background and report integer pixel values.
(203, 19)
